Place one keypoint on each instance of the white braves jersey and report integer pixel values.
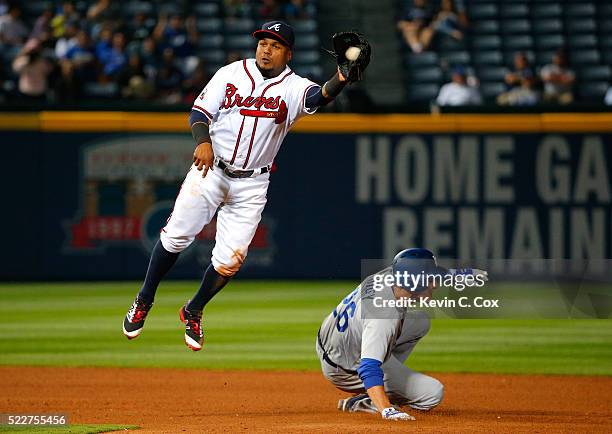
(249, 115)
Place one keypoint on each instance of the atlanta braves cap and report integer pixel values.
(278, 30)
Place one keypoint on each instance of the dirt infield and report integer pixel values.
(168, 401)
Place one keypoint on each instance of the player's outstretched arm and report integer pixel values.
(318, 96)
(203, 155)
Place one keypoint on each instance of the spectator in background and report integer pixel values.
(169, 78)
(524, 94)
(412, 24)
(522, 69)
(232, 57)
(446, 23)
(178, 34)
(608, 96)
(67, 15)
(67, 41)
(270, 10)
(558, 80)
(237, 8)
(102, 10)
(458, 92)
(77, 67)
(117, 58)
(139, 27)
(33, 70)
(148, 54)
(193, 85)
(133, 80)
(104, 46)
(296, 10)
(12, 30)
(42, 25)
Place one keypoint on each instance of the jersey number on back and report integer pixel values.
(348, 309)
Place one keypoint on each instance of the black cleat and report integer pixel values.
(194, 337)
(135, 318)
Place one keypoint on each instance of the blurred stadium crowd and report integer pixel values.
(454, 52)
(512, 52)
(67, 51)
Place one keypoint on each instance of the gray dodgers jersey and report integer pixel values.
(355, 330)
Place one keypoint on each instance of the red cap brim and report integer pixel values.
(260, 34)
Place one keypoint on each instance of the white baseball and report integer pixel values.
(352, 53)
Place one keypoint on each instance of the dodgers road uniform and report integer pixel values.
(354, 331)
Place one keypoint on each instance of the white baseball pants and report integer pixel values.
(240, 202)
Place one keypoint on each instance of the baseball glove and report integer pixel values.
(357, 48)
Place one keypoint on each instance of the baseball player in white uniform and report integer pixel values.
(239, 122)
(363, 348)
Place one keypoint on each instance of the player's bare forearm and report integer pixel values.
(379, 397)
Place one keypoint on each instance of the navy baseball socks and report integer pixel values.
(191, 313)
(160, 263)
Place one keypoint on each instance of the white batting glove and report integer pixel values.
(391, 413)
(470, 272)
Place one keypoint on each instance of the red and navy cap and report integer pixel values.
(278, 30)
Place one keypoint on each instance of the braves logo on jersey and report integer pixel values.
(277, 108)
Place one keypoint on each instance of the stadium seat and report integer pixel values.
(304, 26)
(607, 57)
(239, 26)
(212, 56)
(422, 93)
(514, 9)
(488, 58)
(428, 58)
(549, 25)
(592, 91)
(210, 41)
(307, 41)
(595, 73)
(580, 25)
(306, 57)
(544, 57)
(431, 74)
(605, 9)
(480, 11)
(34, 8)
(490, 90)
(581, 57)
(101, 90)
(515, 26)
(582, 41)
(138, 7)
(518, 42)
(209, 25)
(314, 72)
(605, 27)
(484, 27)
(486, 42)
(239, 42)
(580, 9)
(207, 9)
(453, 58)
(509, 56)
(446, 43)
(546, 10)
(492, 73)
(549, 41)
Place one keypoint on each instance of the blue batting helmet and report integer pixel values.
(416, 261)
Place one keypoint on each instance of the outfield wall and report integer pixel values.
(87, 193)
